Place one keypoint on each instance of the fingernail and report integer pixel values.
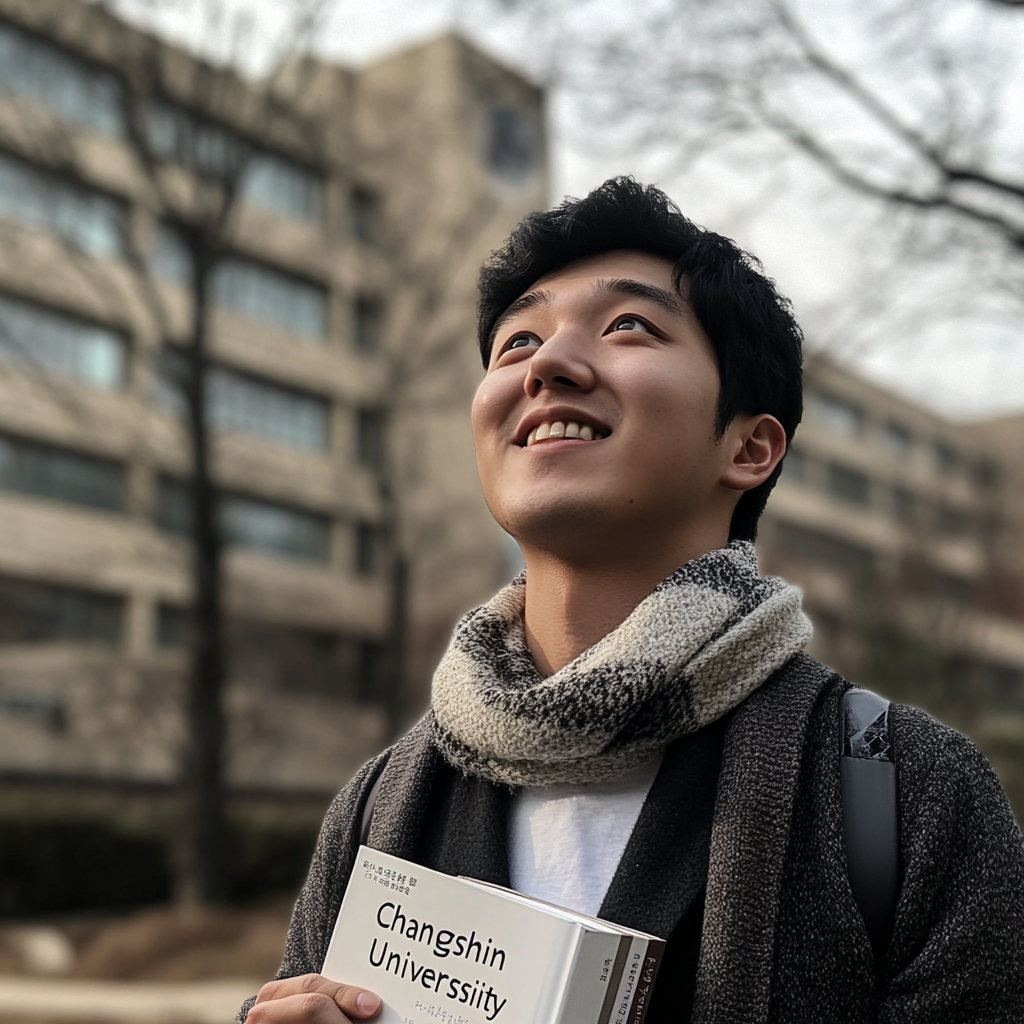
(367, 1002)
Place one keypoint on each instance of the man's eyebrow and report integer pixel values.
(671, 302)
(531, 300)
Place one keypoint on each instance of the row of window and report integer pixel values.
(854, 487)
(842, 416)
(36, 612)
(44, 471)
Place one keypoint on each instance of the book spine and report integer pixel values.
(628, 980)
(589, 979)
(645, 984)
(615, 980)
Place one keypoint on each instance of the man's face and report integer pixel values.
(596, 418)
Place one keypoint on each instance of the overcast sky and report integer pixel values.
(809, 235)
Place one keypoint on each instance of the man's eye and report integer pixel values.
(630, 323)
(522, 341)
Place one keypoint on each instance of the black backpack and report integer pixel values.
(870, 811)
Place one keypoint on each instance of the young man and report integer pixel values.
(631, 728)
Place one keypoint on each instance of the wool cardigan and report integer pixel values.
(739, 852)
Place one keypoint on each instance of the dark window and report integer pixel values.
(251, 523)
(177, 135)
(896, 440)
(849, 485)
(249, 405)
(372, 667)
(170, 257)
(284, 187)
(365, 216)
(368, 316)
(84, 218)
(837, 414)
(370, 437)
(47, 472)
(513, 145)
(263, 293)
(946, 460)
(956, 522)
(173, 626)
(42, 709)
(986, 474)
(368, 544)
(44, 340)
(904, 505)
(794, 468)
(73, 89)
(32, 612)
(817, 548)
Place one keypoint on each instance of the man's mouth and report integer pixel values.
(561, 430)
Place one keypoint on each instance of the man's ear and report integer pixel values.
(755, 445)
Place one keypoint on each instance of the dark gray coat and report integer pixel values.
(751, 811)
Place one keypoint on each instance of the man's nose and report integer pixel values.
(563, 361)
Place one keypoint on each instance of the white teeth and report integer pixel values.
(562, 429)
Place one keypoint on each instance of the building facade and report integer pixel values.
(905, 531)
(355, 207)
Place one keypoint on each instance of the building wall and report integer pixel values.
(414, 187)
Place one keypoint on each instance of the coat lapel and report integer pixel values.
(761, 763)
(665, 864)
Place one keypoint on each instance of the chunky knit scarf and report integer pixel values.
(690, 652)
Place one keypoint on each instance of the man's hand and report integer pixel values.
(312, 999)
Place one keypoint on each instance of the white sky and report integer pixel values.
(809, 236)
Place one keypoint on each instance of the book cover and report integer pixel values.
(445, 950)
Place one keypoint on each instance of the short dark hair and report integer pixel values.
(756, 341)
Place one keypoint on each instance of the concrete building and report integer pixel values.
(906, 532)
(342, 338)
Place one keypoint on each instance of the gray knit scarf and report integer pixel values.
(689, 653)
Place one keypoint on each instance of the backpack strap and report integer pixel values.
(870, 811)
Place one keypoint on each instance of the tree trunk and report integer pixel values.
(395, 644)
(201, 854)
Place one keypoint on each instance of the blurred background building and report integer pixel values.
(342, 351)
(342, 361)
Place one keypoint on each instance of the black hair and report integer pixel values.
(756, 341)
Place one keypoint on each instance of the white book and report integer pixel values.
(444, 950)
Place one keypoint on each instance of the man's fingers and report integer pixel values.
(356, 1003)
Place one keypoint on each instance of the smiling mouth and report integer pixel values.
(561, 430)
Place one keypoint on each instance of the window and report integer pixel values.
(370, 437)
(837, 414)
(82, 217)
(904, 505)
(46, 472)
(173, 626)
(823, 549)
(72, 88)
(367, 553)
(513, 143)
(368, 317)
(946, 460)
(249, 405)
(45, 340)
(365, 216)
(794, 467)
(176, 134)
(170, 257)
(32, 612)
(251, 523)
(261, 293)
(956, 522)
(849, 485)
(896, 440)
(284, 187)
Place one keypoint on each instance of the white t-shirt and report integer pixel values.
(566, 841)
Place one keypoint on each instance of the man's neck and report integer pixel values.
(569, 606)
